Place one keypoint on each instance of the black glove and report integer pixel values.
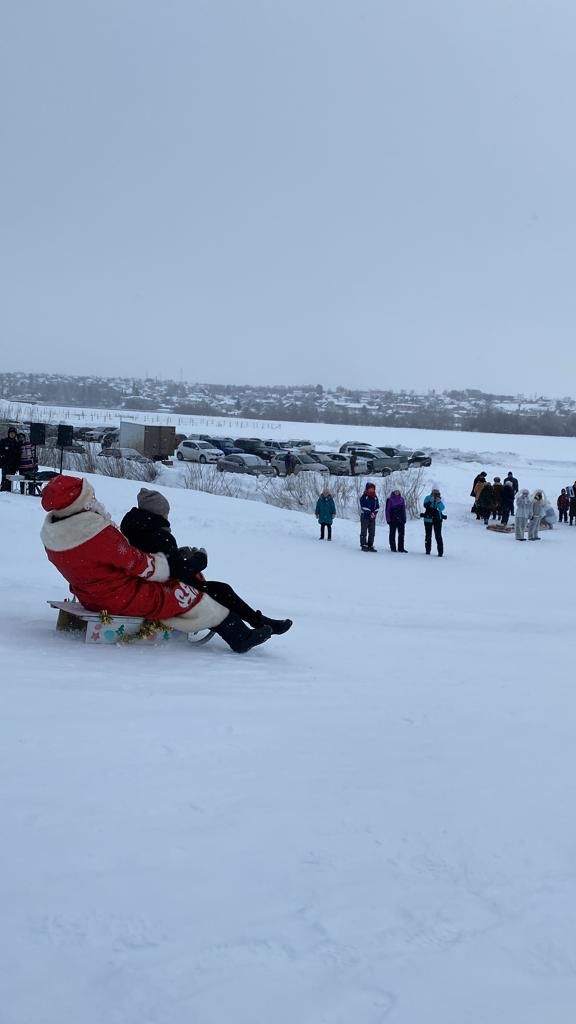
(195, 559)
(444, 517)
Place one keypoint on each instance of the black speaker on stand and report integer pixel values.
(65, 435)
(64, 440)
(38, 433)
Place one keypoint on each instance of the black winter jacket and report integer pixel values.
(150, 532)
(9, 455)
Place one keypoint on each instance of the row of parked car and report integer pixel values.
(269, 458)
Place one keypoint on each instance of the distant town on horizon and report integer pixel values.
(468, 409)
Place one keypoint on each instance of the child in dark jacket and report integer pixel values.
(325, 513)
(369, 506)
(396, 519)
(148, 528)
(563, 505)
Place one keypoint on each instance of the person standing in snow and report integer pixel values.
(572, 508)
(433, 517)
(325, 513)
(536, 513)
(510, 476)
(479, 479)
(507, 502)
(147, 527)
(9, 457)
(28, 461)
(486, 502)
(498, 488)
(479, 487)
(523, 513)
(369, 506)
(106, 573)
(353, 462)
(563, 504)
(396, 518)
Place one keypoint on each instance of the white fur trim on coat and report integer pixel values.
(157, 570)
(70, 532)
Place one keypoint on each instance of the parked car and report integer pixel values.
(124, 453)
(395, 459)
(305, 446)
(363, 446)
(339, 465)
(225, 444)
(245, 463)
(198, 451)
(110, 439)
(419, 458)
(252, 445)
(303, 463)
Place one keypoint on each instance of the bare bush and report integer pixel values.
(301, 490)
(196, 476)
(128, 469)
(91, 462)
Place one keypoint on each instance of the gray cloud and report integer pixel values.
(368, 193)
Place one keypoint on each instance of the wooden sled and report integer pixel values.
(101, 628)
(498, 528)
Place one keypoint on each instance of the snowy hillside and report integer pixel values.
(366, 820)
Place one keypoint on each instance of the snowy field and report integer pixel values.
(366, 820)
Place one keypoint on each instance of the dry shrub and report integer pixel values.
(91, 462)
(301, 490)
(196, 476)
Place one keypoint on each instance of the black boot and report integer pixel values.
(278, 626)
(238, 636)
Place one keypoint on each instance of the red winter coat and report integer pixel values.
(106, 574)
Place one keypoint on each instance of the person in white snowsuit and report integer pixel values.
(523, 512)
(537, 511)
(549, 516)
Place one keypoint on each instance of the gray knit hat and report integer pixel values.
(153, 501)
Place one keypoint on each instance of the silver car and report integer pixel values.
(339, 465)
(245, 463)
(301, 463)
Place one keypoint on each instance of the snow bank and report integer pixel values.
(365, 820)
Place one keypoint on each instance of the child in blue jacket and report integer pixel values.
(433, 518)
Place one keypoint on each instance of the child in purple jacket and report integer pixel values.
(396, 519)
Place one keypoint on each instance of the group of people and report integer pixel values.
(395, 514)
(502, 500)
(17, 455)
(494, 500)
(138, 569)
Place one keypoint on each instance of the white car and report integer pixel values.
(197, 451)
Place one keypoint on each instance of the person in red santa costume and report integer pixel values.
(106, 573)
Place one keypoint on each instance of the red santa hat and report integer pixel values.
(65, 495)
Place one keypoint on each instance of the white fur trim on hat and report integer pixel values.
(80, 504)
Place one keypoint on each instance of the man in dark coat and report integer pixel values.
(507, 501)
(148, 529)
(477, 478)
(510, 476)
(9, 457)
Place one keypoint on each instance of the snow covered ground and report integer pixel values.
(366, 820)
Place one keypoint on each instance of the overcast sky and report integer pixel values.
(368, 193)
